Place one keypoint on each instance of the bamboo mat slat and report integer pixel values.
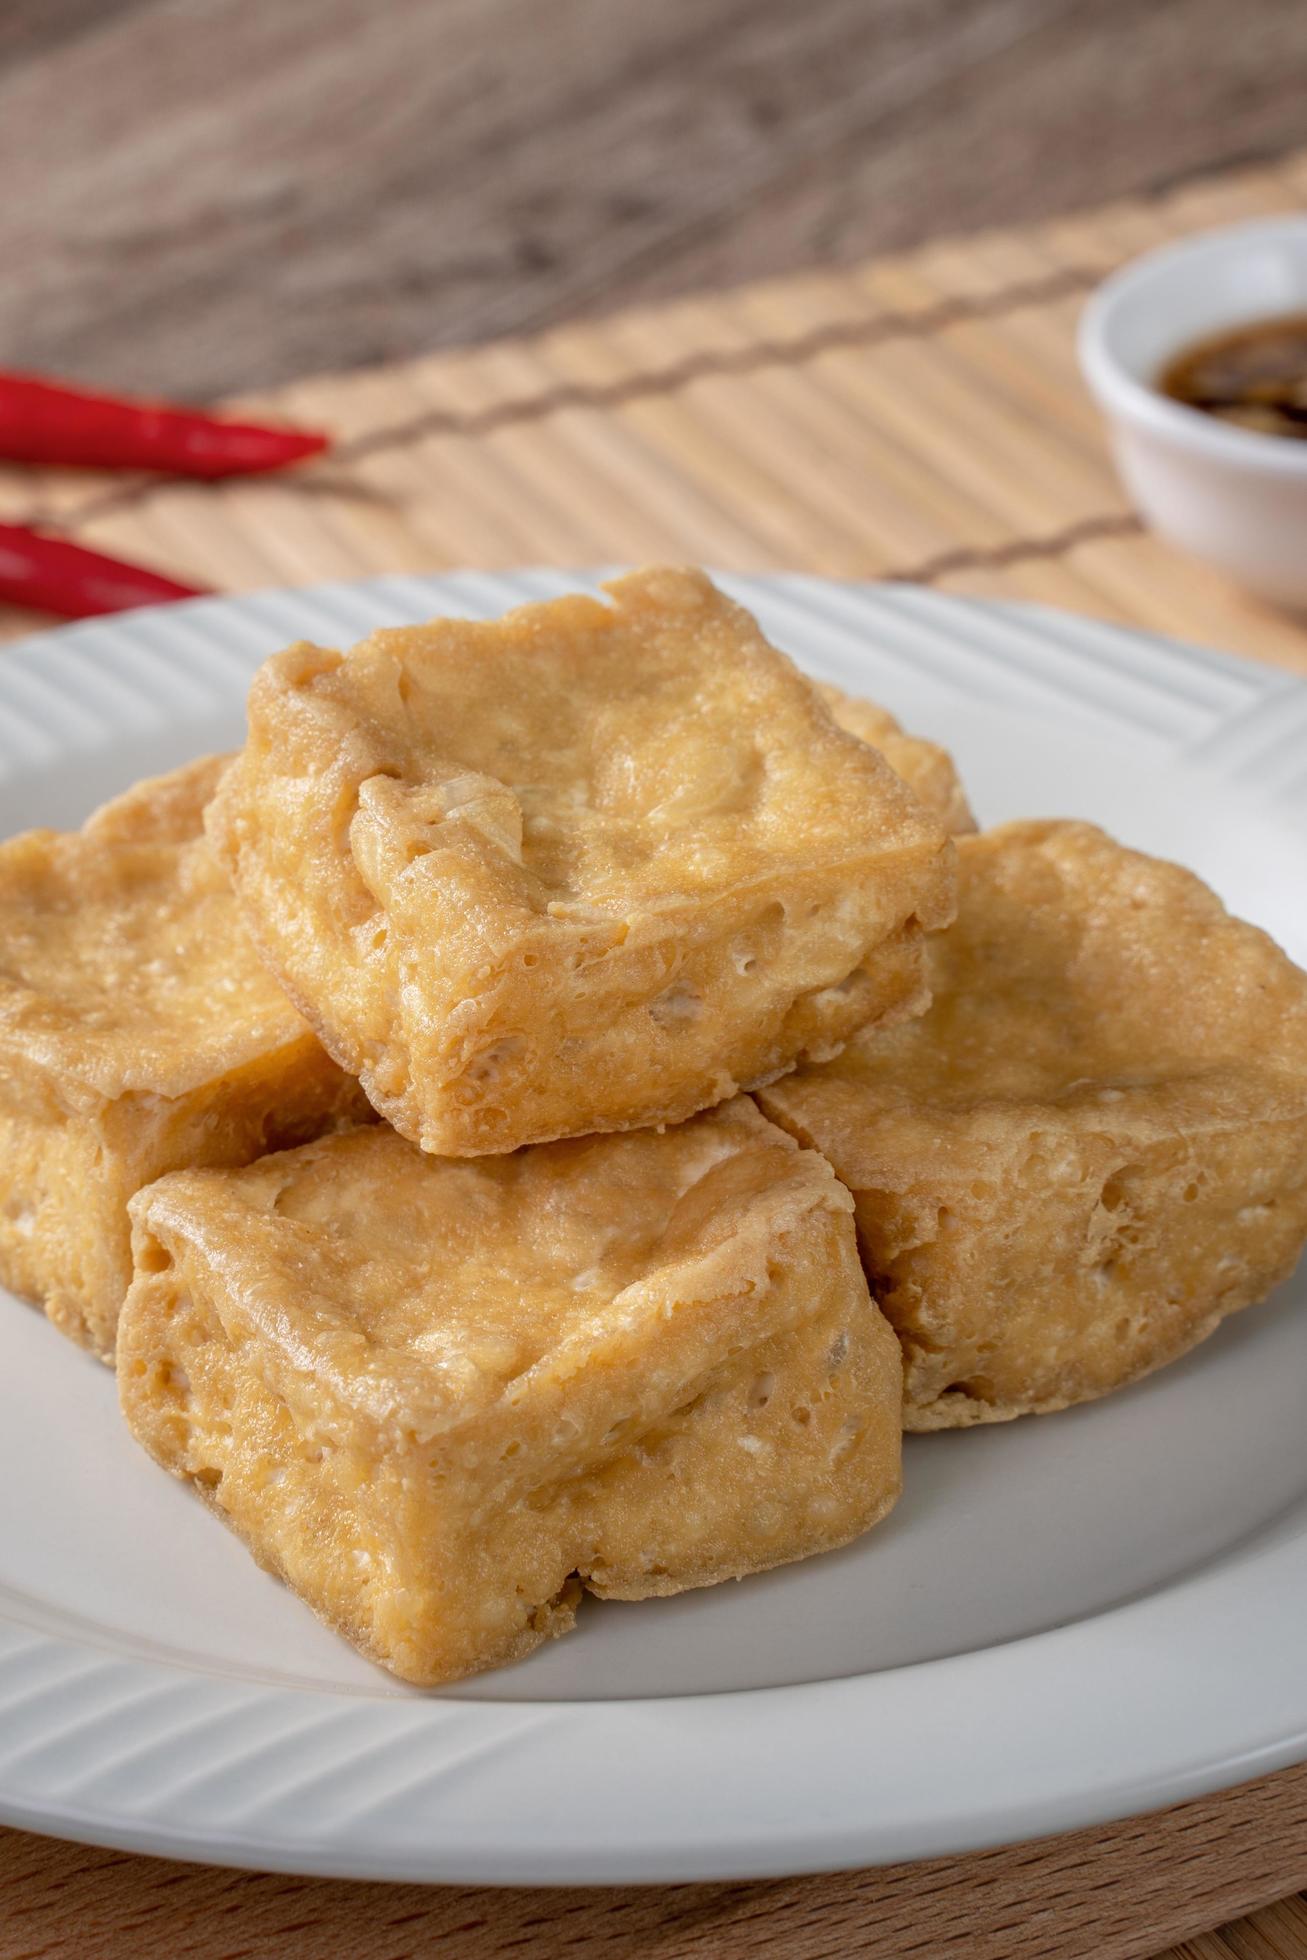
(920, 417)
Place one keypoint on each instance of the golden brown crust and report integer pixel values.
(927, 769)
(431, 1392)
(124, 965)
(138, 1033)
(584, 868)
(1092, 1148)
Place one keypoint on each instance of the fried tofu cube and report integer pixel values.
(588, 867)
(1092, 1148)
(139, 1033)
(440, 1397)
(927, 769)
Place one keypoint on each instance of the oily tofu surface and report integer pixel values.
(924, 766)
(439, 1397)
(1094, 1145)
(588, 867)
(139, 1033)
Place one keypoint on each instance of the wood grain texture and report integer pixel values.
(917, 414)
(1094, 1895)
(1110, 94)
(209, 194)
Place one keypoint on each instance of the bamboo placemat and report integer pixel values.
(921, 418)
(918, 417)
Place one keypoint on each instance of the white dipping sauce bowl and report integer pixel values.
(1231, 496)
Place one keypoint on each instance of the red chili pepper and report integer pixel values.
(41, 422)
(53, 575)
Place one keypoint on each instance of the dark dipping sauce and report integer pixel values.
(1254, 377)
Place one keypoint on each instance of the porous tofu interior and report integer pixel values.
(1070, 1263)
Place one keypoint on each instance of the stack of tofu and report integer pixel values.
(549, 1113)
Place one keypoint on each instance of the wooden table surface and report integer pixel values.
(206, 195)
(1089, 1896)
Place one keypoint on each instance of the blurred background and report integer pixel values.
(214, 195)
(747, 283)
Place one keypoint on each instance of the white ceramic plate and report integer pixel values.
(1067, 1619)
